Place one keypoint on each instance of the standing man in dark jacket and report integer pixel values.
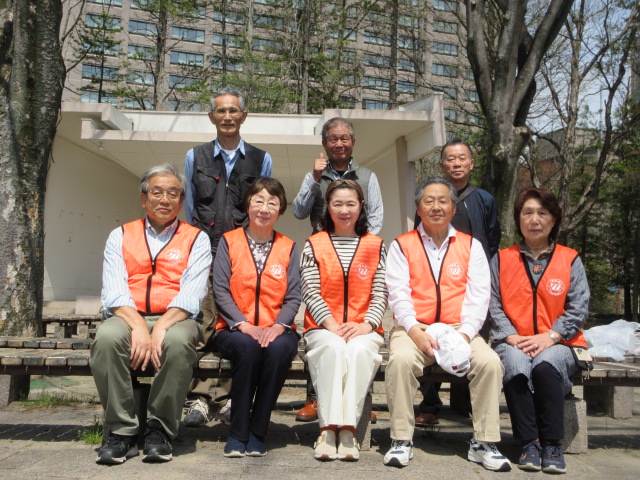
(476, 215)
(219, 174)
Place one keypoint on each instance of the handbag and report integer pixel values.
(583, 358)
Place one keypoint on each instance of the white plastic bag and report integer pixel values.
(614, 340)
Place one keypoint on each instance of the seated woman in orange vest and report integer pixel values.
(342, 269)
(256, 283)
(539, 302)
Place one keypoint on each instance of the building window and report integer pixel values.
(345, 34)
(445, 5)
(445, 27)
(178, 81)
(376, 83)
(472, 95)
(234, 41)
(137, 104)
(405, 86)
(140, 4)
(141, 52)
(114, 3)
(142, 28)
(476, 119)
(444, 70)
(95, 72)
(409, 43)
(373, 60)
(263, 44)
(92, 97)
(231, 17)
(449, 92)
(450, 114)
(345, 55)
(186, 58)
(187, 34)
(468, 73)
(409, 21)
(101, 48)
(444, 48)
(408, 65)
(370, 104)
(102, 22)
(347, 102)
(140, 78)
(374, 38)
(232, 65)
(266, 21)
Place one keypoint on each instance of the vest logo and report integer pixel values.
(362, 271)
(555, 286)
(455, 271)
(277, 271)
(173, 255)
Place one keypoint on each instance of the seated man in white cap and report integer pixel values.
(437, 274)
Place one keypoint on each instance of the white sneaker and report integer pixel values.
(198, 413)
(224, 414)
(399, 454)
(347, 447)
(488, 455)
(325, 446)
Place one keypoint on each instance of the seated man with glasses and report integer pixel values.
(338, 140)
(154, 278)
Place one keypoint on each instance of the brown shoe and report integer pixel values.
(309, 412)
(374, 418)
(427, 419)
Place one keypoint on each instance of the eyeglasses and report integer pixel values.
(259, 203)
(158, 193)
(333, 139)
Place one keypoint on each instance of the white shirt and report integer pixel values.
(477, 295)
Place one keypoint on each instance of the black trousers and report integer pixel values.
(537, 414)
(258, 376)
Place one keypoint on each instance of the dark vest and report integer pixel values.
(218, 206)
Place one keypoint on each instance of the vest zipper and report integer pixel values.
(149, 282)
(153, 267)
(534, 287)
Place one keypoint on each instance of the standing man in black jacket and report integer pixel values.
(219, 174)
(476, 215)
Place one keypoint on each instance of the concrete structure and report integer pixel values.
(100, 153)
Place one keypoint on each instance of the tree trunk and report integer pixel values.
(31, 80)
(160, 87)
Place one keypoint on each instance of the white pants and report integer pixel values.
(341, 373)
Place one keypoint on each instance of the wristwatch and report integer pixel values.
(554, 336)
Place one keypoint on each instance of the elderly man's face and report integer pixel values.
(339, 144)
(227, 116)
(436, 208)
(163, 200)
(457, 164)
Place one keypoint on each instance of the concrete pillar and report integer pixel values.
(616, 402)
(13, 388)
(575, 426)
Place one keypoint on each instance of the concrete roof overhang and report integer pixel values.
(137, 140)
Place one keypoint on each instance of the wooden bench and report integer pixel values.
(21, 357)
(65, 325)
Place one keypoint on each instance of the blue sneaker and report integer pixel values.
(553, 459)
(255, 446)
(234, 448)
(530, 457)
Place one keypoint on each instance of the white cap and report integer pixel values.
(453, 352)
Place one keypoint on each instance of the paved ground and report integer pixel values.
(44, 443)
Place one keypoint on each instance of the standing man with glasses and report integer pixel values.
(338, 140)
(219, 173)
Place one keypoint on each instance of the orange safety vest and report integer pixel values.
(258, 297)
(154, 282)
(533, 309)
(437, 301)
(347, 295)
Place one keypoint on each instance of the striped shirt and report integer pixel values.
(193, 283)
(310, 275)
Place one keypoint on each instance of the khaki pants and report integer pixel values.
(109, 363)
(406, 362)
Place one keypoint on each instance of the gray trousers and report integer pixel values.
(109, 363)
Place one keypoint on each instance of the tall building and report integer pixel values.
(288, 56)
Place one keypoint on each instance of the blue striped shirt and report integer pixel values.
(193, 283)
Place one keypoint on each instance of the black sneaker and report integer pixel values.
(157, 447)
(530, 458)
(553, 459)
(118, 449)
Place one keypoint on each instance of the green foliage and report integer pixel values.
(47, 399)
(93, 434)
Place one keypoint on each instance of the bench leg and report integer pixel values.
(13, 387)
(575, 425)
(616, 402)
(363, 429)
